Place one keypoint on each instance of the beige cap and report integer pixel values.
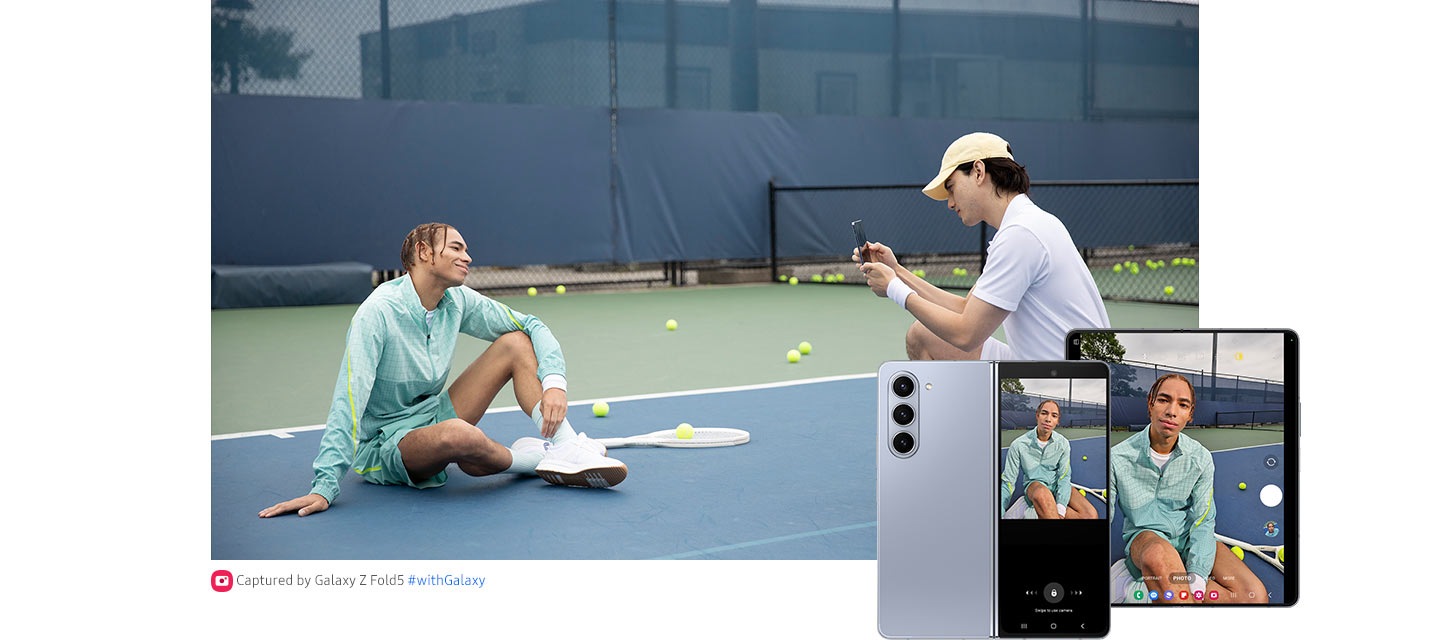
(968, 148)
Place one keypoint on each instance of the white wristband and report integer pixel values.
(553, 381)
(898, 291)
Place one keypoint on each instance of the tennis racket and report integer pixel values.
(1098, 494)
(1265, 552)
(704, 437)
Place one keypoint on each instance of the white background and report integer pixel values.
(1318, 139)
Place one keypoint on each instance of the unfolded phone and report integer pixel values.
(1224, 406)
(977, 463)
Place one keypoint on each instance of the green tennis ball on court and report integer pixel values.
(671, 325)
(830, 278)
(1176, 262)
(560, 289)
(531, 292)
(816, 278)
(839, 277)
(1084, 458)
(601, 409)
(783, 279)
(794, 280)
(964, 272)
(793, 356)
(1239, 553)
(920, 273)
(1169, 290)
(805, 348)
(684, 431)
(1119, 268)
(1135, 269)
(1132, 247)
(1280, 553)
(1242, 486)
(955, 271)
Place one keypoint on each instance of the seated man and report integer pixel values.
(393, 422)
(1044, 456)
(1164, 483)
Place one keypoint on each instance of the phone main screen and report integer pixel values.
(1202, 506)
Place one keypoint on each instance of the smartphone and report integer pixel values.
(858, 226)
(955, 556)
(935, 545)
(1053, 536)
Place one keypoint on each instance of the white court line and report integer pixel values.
(289, 432)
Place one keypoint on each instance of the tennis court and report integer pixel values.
(803, 488)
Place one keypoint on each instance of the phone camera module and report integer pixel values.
(903, 442)
(903, 414)
(903, 386)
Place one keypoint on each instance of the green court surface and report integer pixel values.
(276, 367)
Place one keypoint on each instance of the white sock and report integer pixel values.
(562, 433)
(524, 461)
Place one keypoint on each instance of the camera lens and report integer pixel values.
(904, 386)
(903, 414)
(903, 442)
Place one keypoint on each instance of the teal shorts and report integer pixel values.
(378, 459)
(1134, 570)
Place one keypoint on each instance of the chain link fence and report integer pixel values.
(1063, 60)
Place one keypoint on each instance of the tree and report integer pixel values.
(240, 51)
(1105, 347)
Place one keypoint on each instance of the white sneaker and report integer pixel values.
(593, 445)
(527, 444)
(577, 463)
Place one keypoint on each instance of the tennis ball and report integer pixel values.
(601, 409)
(794, 280)
(1169, 290)
(531, 291)
(793, 356)
(1132, 247)
(1119, 268)
(955, 271)
(560, 289)
(671, 325)
(685, 431)
(1242, 486)
(1084, 458)
(1135, 269)
(1280, 553)
(839, 277)
(1239, 553)
(1082, 493)
(920, 273)
(964, 272)
(829, 278)
(816, 278)
(805, 348)
(784, 279)
(1176, 262)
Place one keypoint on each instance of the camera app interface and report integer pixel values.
(1197, 465)
(1052, 506)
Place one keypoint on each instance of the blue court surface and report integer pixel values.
(802, 488)
(1239, 514)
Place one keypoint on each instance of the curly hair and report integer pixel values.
(426, 234)
(1155, 388)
